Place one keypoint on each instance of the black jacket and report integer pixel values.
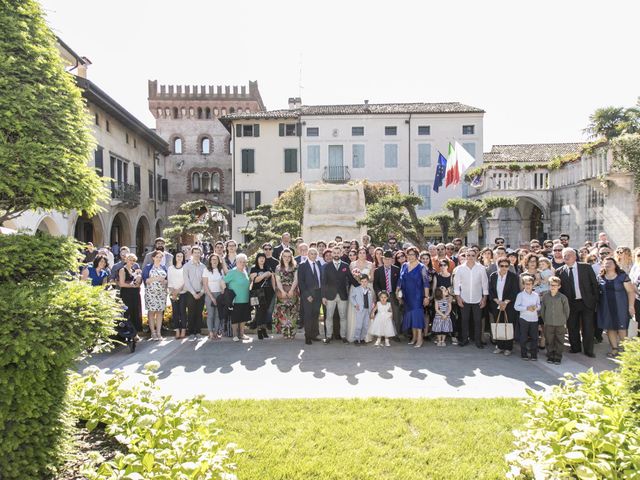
(336, 282)
(380, 282)
(278, 250)
(589, 288)
(306, 281)
(510, 292)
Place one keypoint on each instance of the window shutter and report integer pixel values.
(245, 164)
(298, 129)
(252, 161)
(256, 130)
(281, 129)
(257, 198)
(238, 203)
(99, 162)
(238, 130)
(165, 190)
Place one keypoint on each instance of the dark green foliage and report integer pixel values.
(199, 217)
(45, 140)
(35, 257)
(374, 191)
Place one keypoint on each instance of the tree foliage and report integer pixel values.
(199, 217)
(266, 224)
(611, 122)
(293, 199)
(45, 138)
(626, 156)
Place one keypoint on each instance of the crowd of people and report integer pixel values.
(355, 292)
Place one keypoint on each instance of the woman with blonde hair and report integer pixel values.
(624, 258)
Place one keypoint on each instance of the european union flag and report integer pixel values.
(440, 172)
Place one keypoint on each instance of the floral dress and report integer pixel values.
(155, 294)
(286, 311)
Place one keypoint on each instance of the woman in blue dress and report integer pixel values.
(617, 303)
(98, 272)
(414, 285)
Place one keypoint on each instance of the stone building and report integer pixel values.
(199, 165)
(560, 188)
(127, 152)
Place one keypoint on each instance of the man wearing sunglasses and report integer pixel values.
(557, 260)
(499, 241)
(471, 287)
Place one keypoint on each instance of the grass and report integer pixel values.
(369, 439)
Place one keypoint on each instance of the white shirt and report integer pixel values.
(175, 278)
(576, 281)
(471, 284)
(500, 285)
(337, 265)
(525, 300)
(213, 280)
(596, 268)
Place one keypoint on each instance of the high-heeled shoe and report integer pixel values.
(417, 345)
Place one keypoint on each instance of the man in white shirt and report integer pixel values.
(471, 287)
(193, 272)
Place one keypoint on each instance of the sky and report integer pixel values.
(538, 68)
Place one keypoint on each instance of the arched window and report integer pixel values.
(224, 112)
(215, 182)
(167, 112)
(239, 110)
(177, 145)
(205, 182)
(175, 112)
(159, 112)
(183, 111)
(215, 112)
(232, 110)
(199, 113)
(191, 110)
(247, 110)
(205, 146)
(207, 113)
(195, 182)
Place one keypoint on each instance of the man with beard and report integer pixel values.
(167, 258)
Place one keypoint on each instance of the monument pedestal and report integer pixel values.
(331, 210)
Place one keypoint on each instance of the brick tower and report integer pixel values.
(199, 165)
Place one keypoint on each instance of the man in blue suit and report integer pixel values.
(310, 283)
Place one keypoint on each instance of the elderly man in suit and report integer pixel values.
(580, 286)
(167, 258)
(310, 284)
(385, 278)
(336, 278)
(284, 243)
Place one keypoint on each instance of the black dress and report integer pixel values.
(131, 298)
(265, 302)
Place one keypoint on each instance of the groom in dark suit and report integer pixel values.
(385, 278)
(336, 278)
(580, 286)
(310, 283)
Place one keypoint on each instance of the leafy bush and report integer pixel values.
(375, 191)
(36, 257)
(166, 439)
(44, 329)
(630, 372)
(292, 199)
(584, 428)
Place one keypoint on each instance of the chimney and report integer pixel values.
(366, 102)
(292, 103)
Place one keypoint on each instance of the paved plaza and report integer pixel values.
(278, 368)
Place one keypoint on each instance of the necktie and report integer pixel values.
(387, 276)
(572, 285)
(315, 275)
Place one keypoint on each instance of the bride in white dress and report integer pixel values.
(361, 266)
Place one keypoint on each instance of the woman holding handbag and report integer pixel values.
(261, 292)
(285, 313)
(504, 287)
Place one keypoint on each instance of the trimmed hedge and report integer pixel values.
(46, 325)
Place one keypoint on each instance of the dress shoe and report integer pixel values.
(344, 340)
(336, 337)
(316, 339)
(260, 336)
(574, 351)
(326, 341)
(590, 355)
(396, 339)
(480, 345)
(308, 342)
(462, 344)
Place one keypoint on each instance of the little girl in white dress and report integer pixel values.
(382, 325)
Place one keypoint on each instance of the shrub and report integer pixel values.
(584, 428)
(44, 329)
(375, 191)
(165, 438)
(630, 371)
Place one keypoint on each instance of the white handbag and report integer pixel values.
(632, 332)
(502, 330)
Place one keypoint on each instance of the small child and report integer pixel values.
(362, 300)
(442, 324)
(554, 309)
(546, 273)
(382, 325)
(528, 304)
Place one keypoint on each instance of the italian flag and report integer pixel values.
(458, 162)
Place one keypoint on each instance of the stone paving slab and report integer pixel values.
(279, 368)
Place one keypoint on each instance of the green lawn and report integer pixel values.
(370, 439)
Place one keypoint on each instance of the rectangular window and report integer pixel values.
(471, 148)
(358, 156)
(468, 129)
(159, 186)
(99, 160)
(424, 129)
(164, 193)
(391, 131)
(425, 192)
(126, 137)
(97, 119)
(246, 201)
(313, 156)
(313, 132)
(288, 129)
(424, 154)
(248, 161)
(150, 184)
(290, 160)
(136, 177)
(135, 144)
(391, 155)
(248, 130)
(357, 131)
(107, 126)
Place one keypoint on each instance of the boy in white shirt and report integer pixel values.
(528, 304)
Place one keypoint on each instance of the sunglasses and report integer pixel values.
(504, 265)
(268, 248)
(557, 249)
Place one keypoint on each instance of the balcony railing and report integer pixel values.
(501, 180)
(125, 193)
(339, 174)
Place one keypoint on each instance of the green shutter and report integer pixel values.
(256, 130)
(281, 129)
(238, 130)
(257, 198)
(252, 161)
(238, 203)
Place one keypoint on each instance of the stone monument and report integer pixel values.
(331, 210)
